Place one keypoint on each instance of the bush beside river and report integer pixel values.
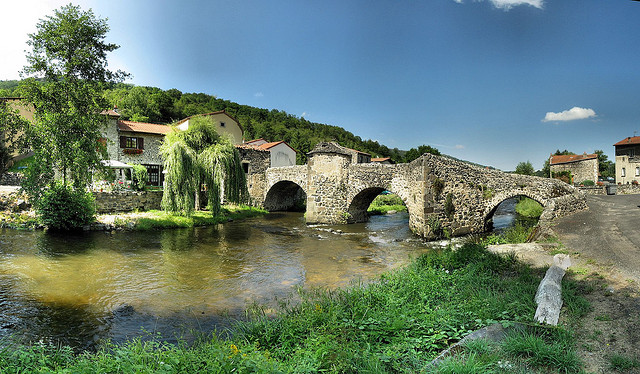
(398, 324)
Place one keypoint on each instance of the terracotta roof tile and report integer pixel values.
(149, 128)
(629, 140)
(380, 159)
(563, 159)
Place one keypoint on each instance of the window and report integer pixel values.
(154, 175)
(623, 172)
(221, 124)
(131, 142)
(637, 171)
(245, 167)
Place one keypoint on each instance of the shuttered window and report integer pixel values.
(131, 142)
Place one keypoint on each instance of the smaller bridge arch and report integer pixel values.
(502, 197)
(285, 195)
(360, 203)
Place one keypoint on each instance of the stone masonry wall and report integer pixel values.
(580, 170)
(11, 179)
(127, 201)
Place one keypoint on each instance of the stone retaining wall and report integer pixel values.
(11, 179)
(127, 201)
(593, 190)
(628, 189)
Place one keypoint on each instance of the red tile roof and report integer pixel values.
(629, 140)
(149, 128)
(564, 159)
(110, 112)
(249, 146)
(255, 141)
(380, 159)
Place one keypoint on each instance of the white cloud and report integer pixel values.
(572, 114)
(258, 94)
(304, 114)
(508, 4)
(459, 146)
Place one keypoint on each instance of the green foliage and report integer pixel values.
(158, 106)
(513, 235)
(5, 156)
(196, 157)
(525, 168)
(542, 351)
(63, 208)
(449, 208)
(529, 208)
(606, 167)
(140, 177)
(67, 69)
(564, 176)
(11, 138)
(438, 186)
(382, 204)
(588, 183)
(434, 224)
(415, 153)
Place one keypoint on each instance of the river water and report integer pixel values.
(81, 289)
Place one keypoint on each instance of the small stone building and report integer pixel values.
(582, 167)
(136, 143)
(628, 160)
(383, 160)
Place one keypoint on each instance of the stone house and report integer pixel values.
(582, 167)
(282, 154)
(225, 125)
(358, 157)
(628, 160)
(132, 142)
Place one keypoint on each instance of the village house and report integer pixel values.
(358, 157)
(130, 142)
(225, 125)
(281, 152)
(628, 160)
(583, 167)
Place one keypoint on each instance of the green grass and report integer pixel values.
(163, 220)
(529, 208)
(396, 325)
(20, 165)
(513, 235)
(383, 204)
(621, 363)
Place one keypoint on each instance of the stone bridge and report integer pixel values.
(443, 195)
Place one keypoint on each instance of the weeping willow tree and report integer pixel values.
(199, 158)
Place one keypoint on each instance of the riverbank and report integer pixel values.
(398, 324)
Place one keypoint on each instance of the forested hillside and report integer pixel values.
(152, 104)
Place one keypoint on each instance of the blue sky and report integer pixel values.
(494, 82)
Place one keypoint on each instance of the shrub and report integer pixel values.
(529, 208)
(588, 183)
(62, 208)
(140, 177)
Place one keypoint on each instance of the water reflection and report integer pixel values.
(83, 288)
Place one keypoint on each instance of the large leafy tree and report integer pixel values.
(525, 168)
(200, 157)
(11, 137)
(66, 73)
(605, 166)
(414, 153)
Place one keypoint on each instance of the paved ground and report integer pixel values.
(608, 232)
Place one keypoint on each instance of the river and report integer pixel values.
(81, 289)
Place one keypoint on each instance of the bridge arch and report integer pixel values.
(502, 197)
(285, 195)
(360, 203)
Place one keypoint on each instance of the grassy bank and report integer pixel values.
(383, 204)
(398, 324)
(529, 208)
(158, 219)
